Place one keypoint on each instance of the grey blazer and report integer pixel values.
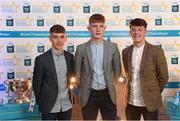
(84, 69)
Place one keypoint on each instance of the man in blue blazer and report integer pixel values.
(51, 78)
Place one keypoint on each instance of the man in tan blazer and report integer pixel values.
(97, 67)
(146, 69)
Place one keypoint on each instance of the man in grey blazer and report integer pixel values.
(146, 69)
(51, 78)
(97, 67)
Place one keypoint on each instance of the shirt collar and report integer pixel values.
(99, 44)
(55, 53)
(139, 48)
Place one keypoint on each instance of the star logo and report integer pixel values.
(164, 6)
(16, 60)
(1, 75)
(135, 6)
(105, 6)
(29, 72)
(45, 6)
(118, 20)
(16, 7)
(29, 20)
(1, 46)
(148, 19)
(177, 19)
(58, 20)
(29, 46)
(75, 6)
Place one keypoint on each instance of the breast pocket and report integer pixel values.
(149, 59)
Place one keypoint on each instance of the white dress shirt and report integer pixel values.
(136, 97)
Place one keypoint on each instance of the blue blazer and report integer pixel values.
(45, 84)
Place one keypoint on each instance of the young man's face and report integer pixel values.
(138, 34)
(58, 40)
(97, 30)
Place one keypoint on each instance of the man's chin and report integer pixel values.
(60, 48)
(137, 40)
(98, 37)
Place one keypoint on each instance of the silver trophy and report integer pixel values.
(7, 95)
(21, 87)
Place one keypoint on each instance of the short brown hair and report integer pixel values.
(138, 22)
(97, 18)
(57, 29)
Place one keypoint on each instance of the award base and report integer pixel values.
(17, 111)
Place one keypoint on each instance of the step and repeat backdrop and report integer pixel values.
(24, 30)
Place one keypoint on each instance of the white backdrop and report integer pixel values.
(24, 26)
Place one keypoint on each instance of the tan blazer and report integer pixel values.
(153, 74)
(84, 69)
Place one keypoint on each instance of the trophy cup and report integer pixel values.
(7, 95)
(20, 87)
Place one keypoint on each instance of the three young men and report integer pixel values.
(98, 68)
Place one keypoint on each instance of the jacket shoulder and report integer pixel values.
(43, 55)
(126, 49)
(110, 43)
(82, 46)
(154, 48)
(68, 53)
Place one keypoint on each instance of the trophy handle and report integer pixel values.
(32, 102)
(6, 92)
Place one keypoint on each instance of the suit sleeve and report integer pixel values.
(162, 70)
(37, 78)
(78, 64)
(117, 63)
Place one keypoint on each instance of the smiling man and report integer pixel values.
(97, 67)
(51, 78)
(146, 69)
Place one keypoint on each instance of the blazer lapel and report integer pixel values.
(143, 59)
(67, 62)
(105, 53)
(51, 64)
(130, 60)
(89, 54)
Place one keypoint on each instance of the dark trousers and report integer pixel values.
(134, 113)
(99, 100)
(58, 116)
